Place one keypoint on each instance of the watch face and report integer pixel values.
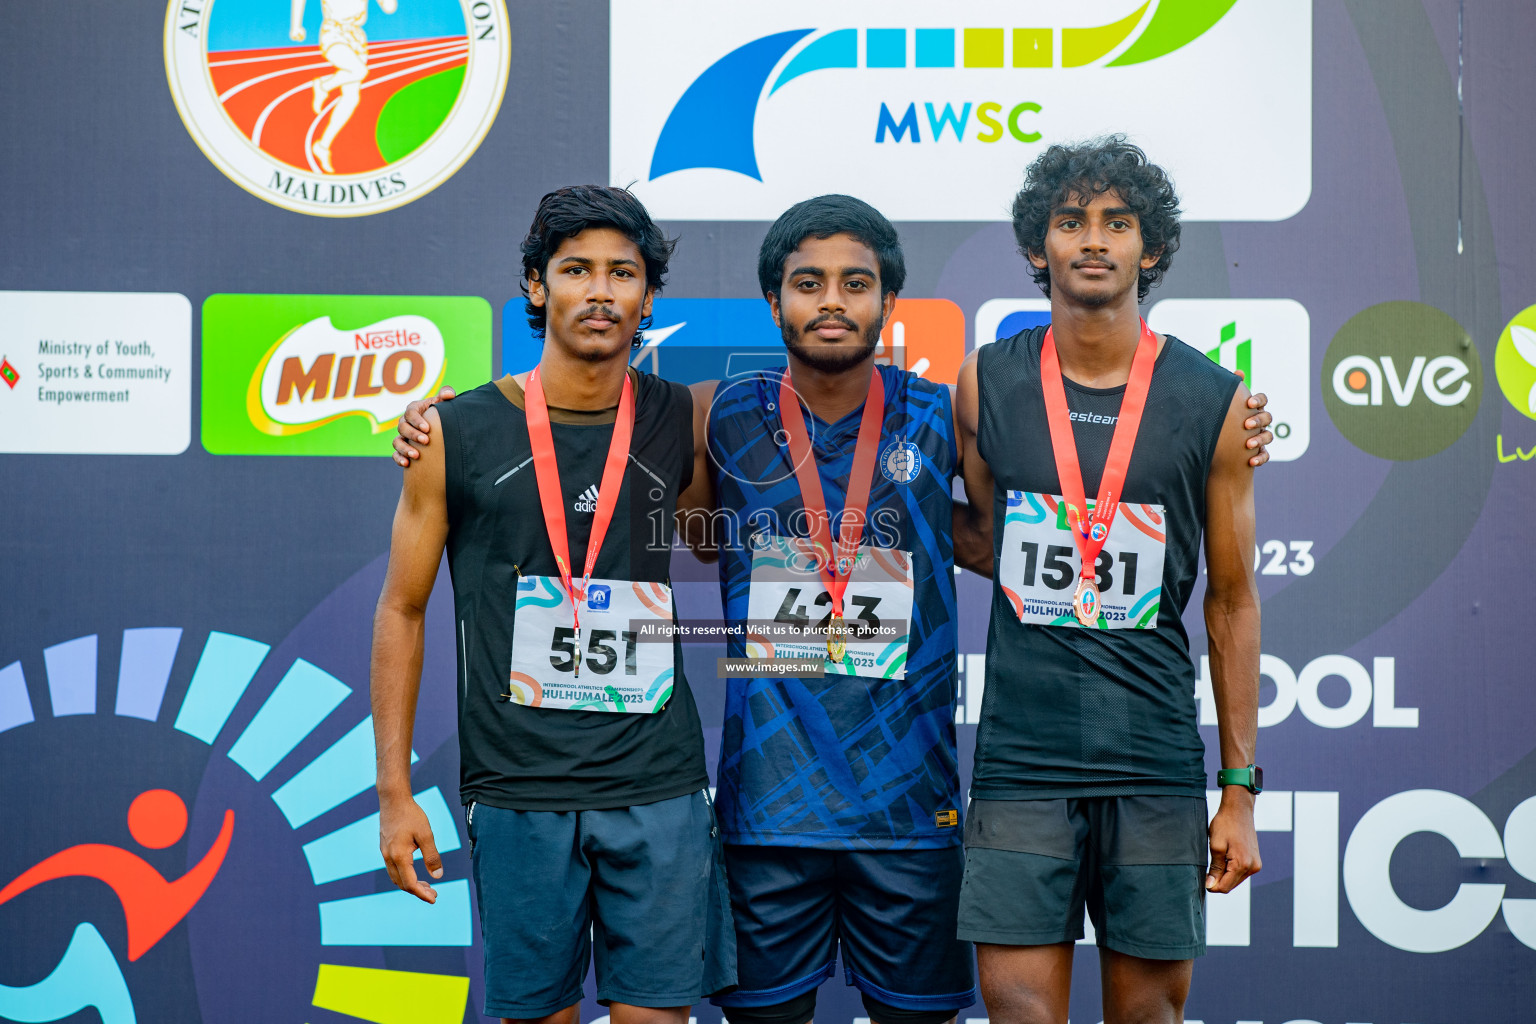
(1257, 782)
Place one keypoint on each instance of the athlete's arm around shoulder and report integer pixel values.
(696, 503)
(972, 519)
(399, 628)
(1232, 625)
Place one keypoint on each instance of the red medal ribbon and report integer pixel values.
(547, 472)
(1088, 534)
(835, 570)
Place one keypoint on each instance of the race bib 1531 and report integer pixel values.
(1040, 563)
(609, 667)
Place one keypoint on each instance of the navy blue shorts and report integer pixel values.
(642, 888)
(891, 911)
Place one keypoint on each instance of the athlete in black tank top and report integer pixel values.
(533, 759)
(582, 760)
(1097, 712)
(1089, 778)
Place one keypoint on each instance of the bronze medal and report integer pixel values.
(1085, 602)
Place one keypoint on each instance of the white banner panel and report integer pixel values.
(1268, 341)
(96, 373)
(736, 111)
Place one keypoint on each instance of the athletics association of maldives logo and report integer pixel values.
(271, 885)
(337, 108)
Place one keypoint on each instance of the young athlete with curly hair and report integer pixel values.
(1098, 456)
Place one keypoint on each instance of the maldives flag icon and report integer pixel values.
(8, 373)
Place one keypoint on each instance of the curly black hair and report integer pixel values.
(1083, 170)
(823, 217)
(567, 212)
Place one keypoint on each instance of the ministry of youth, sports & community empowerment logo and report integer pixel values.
(337, 108)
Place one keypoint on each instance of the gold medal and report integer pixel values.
(1085, 603)
(837, 643)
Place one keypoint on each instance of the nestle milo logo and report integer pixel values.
(315, 374)
(329, 375)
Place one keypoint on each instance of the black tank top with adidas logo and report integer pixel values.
(1074, 712)
(528, 758)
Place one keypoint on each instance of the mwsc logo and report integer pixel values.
(325, 375)
(934, 123)
(337, 108)
(1402, 380)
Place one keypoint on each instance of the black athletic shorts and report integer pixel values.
(892, 912)
(1137, 863)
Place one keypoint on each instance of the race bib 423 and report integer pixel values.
(789, 610)
(615, 664)
(1040, 563)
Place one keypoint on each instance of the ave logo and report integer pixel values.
(1402, 380)
(1357, 380)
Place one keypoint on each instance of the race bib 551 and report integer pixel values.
(608, 667)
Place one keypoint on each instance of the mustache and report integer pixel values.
(1093, 259)
(830, 318)
(598, 310)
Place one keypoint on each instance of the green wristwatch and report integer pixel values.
(1250, 778)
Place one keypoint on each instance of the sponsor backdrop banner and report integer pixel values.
(238, 229)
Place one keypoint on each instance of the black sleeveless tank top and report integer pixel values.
(529, 758)
(1091, 712)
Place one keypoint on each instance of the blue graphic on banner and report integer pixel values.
(1022, 320)
(713, 124)
(88, 978)
(242, 857)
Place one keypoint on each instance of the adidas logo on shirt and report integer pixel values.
(587, 501)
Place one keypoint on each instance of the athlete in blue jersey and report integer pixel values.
(839, 795)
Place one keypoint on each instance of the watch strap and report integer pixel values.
(1250, 778)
